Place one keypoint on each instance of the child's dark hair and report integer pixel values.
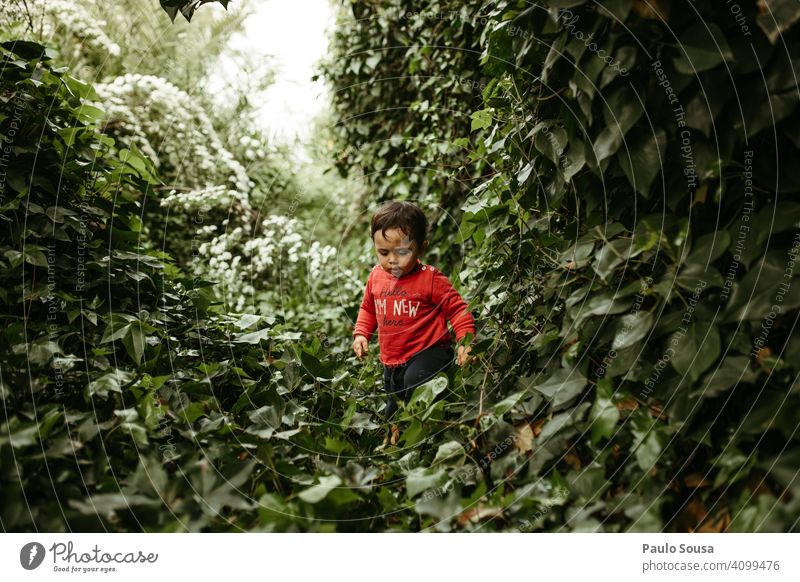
(406, 216)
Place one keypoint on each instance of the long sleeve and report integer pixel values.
(366, 322)
(453, 306)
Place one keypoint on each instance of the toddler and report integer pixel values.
(410, 303)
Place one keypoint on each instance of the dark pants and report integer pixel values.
(400, 381)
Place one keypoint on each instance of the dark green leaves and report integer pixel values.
(186, 7)
(642, 158)
(28, 50)
(695, 350)
(600, 367)
(621, 110)
(703, 46)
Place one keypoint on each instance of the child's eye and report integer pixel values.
(402, 252)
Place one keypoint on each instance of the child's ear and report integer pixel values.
(424, 245)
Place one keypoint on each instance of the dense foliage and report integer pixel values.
(631, 243)
(625, 224)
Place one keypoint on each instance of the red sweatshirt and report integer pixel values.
(411, 312)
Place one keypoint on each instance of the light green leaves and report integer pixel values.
(562, 386)
(631, 328)
(450, 454)
(320, 491)
(604, 414)
(111, 382)
(481, 119)
(422, 401)
(424, 478)
(253, 337)
(648, 450)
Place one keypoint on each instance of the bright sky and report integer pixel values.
(294, 33)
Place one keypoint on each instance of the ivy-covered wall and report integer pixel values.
(630, 238)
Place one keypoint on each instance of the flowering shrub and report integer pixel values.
(72, 21)
(169, 126)
(279, 258)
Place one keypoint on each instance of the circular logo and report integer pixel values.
(31, 555)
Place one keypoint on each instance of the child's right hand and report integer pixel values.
(360, 346)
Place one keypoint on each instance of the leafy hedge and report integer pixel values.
(108, 350)
(131, 401)
(636, 318)
(632, 242)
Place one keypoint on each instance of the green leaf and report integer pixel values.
(649, 450)
(562, 421)
(753, 296)
(600, 304)
(134, 341)
(631, 328)
(40, 351)
(424, 394)
(34, 256)
(623, 109)
(508, 403)
(709, 247)
(114, 332)
(12, 433)
(89, 114)
(604, 414)
(696, 350)
(372, 61)
(362, 421)
(702, 46)
(423, 478)
(192, 412)
(613, 254)
(266, 420)
(450, 454)
(732, 371)
(318, 492)
(26, 49)
(253, 337)
(499, 54)
(111, 382)
(481, 119)
(642, 158)
(315, 367)
(564, 385)
(336, 446)
(693, 275)
(69, 134)
(550, 140)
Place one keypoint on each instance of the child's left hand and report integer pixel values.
(463, 356)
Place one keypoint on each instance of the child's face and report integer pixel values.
(397, 253)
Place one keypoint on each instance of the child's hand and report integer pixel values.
(360, 346)
(463, 356)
